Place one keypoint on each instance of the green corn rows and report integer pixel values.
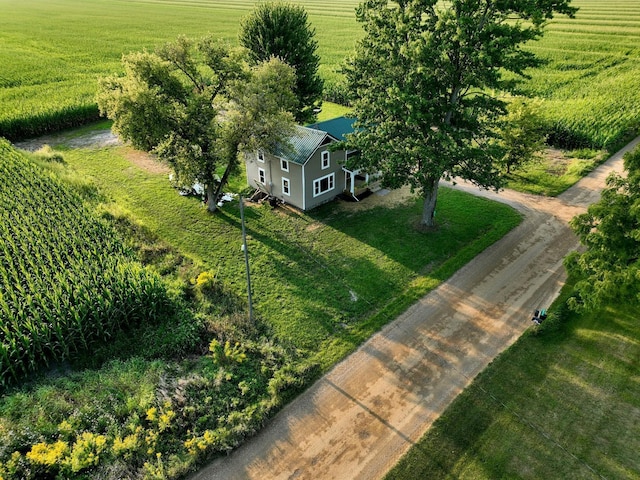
(66, 281)
(49, 83)
(590, 84)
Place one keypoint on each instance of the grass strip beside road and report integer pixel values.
(560, 403)
(555, 171)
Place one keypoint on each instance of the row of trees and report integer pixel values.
(426, 80)
(198, 104)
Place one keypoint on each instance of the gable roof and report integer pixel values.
(336, 127)
(303, 142)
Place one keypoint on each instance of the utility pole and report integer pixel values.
(246, 259)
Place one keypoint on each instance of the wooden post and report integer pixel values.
(246, 259)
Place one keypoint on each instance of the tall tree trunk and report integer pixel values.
(212, 198)
(430, 197)
(231, 165)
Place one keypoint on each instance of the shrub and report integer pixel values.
(48, 454)
(555, 319)
(205, 281)
(227, 353)
(336, 91)
(46, 153)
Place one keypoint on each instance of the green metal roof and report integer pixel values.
(303, 142)
(307, 139)
(336, 127)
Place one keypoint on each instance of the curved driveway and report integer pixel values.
(358, 420)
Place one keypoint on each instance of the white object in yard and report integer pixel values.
(198, 188)
(227, 197)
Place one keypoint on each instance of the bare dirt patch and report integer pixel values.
(146, 161)
(382, 197)
(556, 161)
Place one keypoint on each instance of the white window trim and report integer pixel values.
(282, 163)
(323, 155)
(286, 192)
(260, 156)
(262, 176)
(332, 184)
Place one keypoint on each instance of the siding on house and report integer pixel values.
(274, 174)
(315, 175)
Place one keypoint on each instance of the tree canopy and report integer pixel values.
(283, 30)
(197, 105)
(424, 78)
(609, 268)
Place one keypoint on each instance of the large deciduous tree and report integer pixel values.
(197, 105)
(426, 78)
(609, 268)
(283, 30)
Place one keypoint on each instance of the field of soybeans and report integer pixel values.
(53, 53)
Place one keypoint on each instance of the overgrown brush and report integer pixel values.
(168, 422)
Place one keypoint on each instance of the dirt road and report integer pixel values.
(358, 420)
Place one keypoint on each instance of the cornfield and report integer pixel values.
(589, 85)
(66, 281)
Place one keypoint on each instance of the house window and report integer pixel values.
(284, 165)
(285, 186)
(260, 156)
(262, 178)
(324, 184)
(326, 162)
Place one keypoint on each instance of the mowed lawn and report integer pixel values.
(561, 404)
(325, 280)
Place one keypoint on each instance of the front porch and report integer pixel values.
(357, 184)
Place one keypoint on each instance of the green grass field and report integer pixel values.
(323, 282)
(558, 404)
(375, 254)
(53, 53)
